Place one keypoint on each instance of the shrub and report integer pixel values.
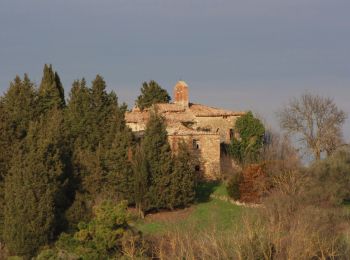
(233, 186)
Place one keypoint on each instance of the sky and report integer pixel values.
(235, 54)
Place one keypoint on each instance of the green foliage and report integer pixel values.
(106, 236)
(16, 111)
(251, 131)
(233, 187)
(77, 114)
(51, 92)
(33, 187)
(152, 93)
(101, 143)
(57, 162)
(141, 181)
(118, 162)
(184, 178)
(158, 155)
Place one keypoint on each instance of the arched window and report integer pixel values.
(196, 144)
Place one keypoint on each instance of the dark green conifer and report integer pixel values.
(159, 161)
(118, 163)
(184, 177)
(101, 111)
(99, 139)
(152, 93)
(141, 181)
(18, 104)
(17, 109)
(51, 92)
(33, 187)
(78, 118)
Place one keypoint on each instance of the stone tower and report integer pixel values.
(181, 96)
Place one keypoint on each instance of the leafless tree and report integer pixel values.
(316, 121)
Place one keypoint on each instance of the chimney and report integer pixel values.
(181, 94)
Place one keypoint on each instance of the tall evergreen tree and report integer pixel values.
(100, 143)
(16, 111)
(118, 163)
(141, 181)
(19, 102)
(77, 114)
(33, 187)
(51, 92)
(159, 161)
(152, 93)
(103, 107)
(184, 177)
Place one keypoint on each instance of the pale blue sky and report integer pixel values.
(246, 54)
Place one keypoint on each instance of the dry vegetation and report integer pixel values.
(303, 216)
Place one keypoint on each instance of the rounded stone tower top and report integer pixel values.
(181, 95)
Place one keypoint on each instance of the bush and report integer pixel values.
(107, 235)
(233, 186)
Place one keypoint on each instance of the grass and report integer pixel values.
(207, 213)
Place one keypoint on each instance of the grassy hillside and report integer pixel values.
(207, 213)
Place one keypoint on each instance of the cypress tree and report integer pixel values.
(33, 187)
(51, 92)
(101, 111)
(159, 161)
(184, 177)
(141, 181)
(99, 140)
(152, 93)
(78, 118)
(16, 111)
(118, 162)
(18, 104)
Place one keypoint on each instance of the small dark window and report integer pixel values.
(232, 134)
(197, 168)
(196, 144)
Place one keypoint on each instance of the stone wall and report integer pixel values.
(220, 125)
(207, 146)
(136, 127)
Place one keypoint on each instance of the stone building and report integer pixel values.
(204, 128)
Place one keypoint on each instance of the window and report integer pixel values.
(195, 144)
(197, 168)
(232, 133)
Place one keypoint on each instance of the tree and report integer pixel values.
(34, 187)
(151, 93)
(158, 155)
(17, 109)
(77, 112)
(141, 181)
(330, 178)
(51, 92)
(119, 167)
(316, 122)
(100, 142)
(251, 132)
(183, 178)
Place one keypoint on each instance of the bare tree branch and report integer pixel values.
(316, 121)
